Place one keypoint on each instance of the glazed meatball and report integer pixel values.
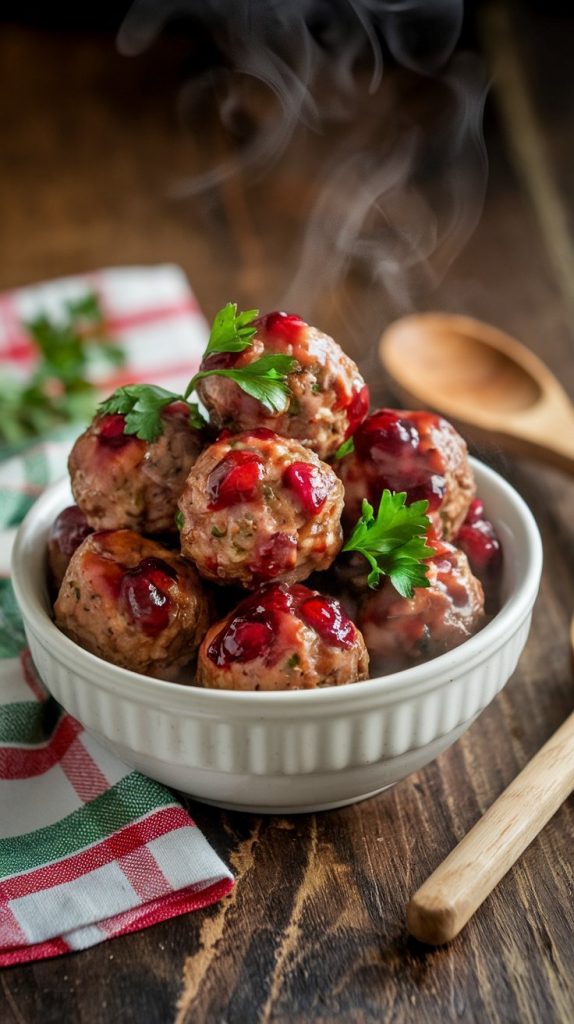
(329, 396)
(133, 602)
(122, 482)
(283, 638)
(478, 539)
(66, 534)
(258, 507)
(416, 452)
(401, 632)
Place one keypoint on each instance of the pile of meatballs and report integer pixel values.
(212, 556)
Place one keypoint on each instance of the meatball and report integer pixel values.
(122, 482)
(283, 638)
(258, 507)
(477, 538)
(133, 602)
(416, 452)
(401, 632)
(329, 398)
(66, 534)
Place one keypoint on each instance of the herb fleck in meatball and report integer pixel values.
(258, 507)
(329, 398)
(283, 638)
(401, 632)
(416, 452)
(121, 482)
(132, 602)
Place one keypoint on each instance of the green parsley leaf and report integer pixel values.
(196, 420)
(179, 519)
(58, 390)
(231, 331)
(345, 448)
(87, 308)
(263, 379)
(394, 542)
(142, 406)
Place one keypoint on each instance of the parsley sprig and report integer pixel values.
(394, 542)
(264, 379)
(142, 406)
(57, 392)
(231, 331)
(345, 448)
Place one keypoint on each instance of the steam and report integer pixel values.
(398, 198)
(288, 47)
(399, 214)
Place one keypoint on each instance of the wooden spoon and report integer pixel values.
(449, 898)
(484, 380)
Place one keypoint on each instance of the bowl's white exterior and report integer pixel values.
(291, 751)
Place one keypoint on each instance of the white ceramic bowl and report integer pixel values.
(291, 751)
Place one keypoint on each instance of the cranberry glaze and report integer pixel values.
(144, 594)
(400, 632)
(329, 398)
(416, 452)
(259, 507)
(66, 534)
(477, 538)
(283, 637)
(120, 481)
(132, 602)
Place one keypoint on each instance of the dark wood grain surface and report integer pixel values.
(315, 927)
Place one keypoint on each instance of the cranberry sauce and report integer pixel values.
(69, 529)
(391, 446)
(477, 538)
(176, 411)
(242, 640)
(285, 326)
(326, 616)
(143, 594)
(234, 479)
(110, 431)
(357, 410)
(309, 484)
(449, 580)
(253, 630)
(261, 433)
(274, 557)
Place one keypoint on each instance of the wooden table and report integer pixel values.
(315, 927)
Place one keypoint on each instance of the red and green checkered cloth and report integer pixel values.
(88, 848)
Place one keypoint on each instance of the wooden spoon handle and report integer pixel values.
(446, 901)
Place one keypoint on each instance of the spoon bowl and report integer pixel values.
(484, 380)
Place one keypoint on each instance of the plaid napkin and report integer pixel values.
(88, 848)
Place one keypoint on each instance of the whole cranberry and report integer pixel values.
(309, 484)
(144, 592)
(383, 434)
(286, 326)
(111, 431)
(234, 479)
